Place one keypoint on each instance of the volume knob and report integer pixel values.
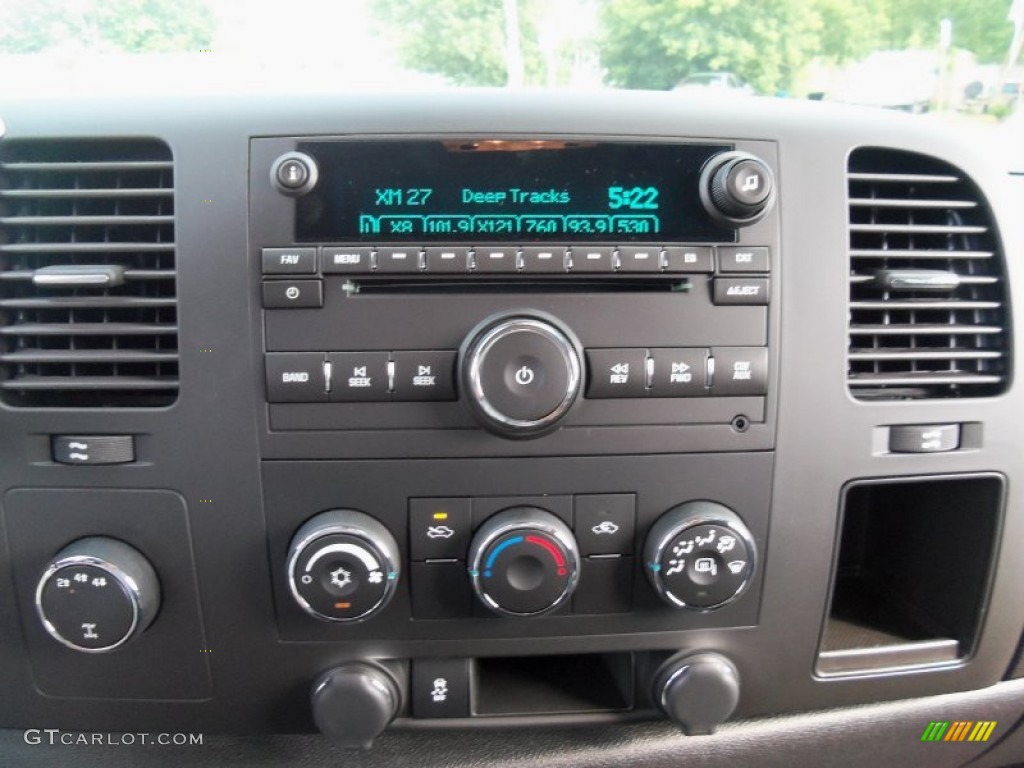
(521, 374)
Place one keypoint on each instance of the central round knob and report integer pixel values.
(521, 373)
(525, 573)
(523, 562)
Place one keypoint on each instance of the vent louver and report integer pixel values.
(88, 313)
(928, 312)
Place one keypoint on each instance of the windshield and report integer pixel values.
(955, 58)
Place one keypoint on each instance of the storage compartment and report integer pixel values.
(912, 572)
(533, 685)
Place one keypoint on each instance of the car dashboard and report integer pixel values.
(579, 428)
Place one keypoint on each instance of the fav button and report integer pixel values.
(289, 261)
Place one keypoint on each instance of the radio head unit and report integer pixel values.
(420, 292)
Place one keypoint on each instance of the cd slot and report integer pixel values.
(507, 285)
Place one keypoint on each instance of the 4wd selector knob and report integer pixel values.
(97, 594)
(521, 374)
(737, 188)
(524, 562)
(699, 555)
(342, 566)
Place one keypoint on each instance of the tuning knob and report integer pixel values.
(699, 555)
(737, 188)
(524, 562)
(342, 566)
(697, 691)
(354, 703)
(97, 594)
(521, 374)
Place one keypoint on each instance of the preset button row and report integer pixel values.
(512, 259)
(316, 377)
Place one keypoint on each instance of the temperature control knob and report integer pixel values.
(524, 562)
(342, 566)
(699, 555)
(737, 188)
(521, 374)
(97, 594)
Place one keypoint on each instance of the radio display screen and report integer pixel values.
(515, 190)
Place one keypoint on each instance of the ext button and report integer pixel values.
(682, 258)
(424, 375)
(439, 529)
(735, 259)
(679, 372)
(741, 290)
(342, 260)
(924, 438)
(617, 373)
(295, 377)
(604, 523)
(289, 261)
(358, 376)
(740, 371)
(292, 294)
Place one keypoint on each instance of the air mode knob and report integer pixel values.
(521, 374)
(699, 555)
(97, 594)
(524, 562)
(737, 188)
(342, 566)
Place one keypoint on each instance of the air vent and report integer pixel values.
(928, 313)
(88, 313)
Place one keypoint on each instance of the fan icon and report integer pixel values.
(341, 578)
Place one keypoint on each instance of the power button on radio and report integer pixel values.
(521, 373)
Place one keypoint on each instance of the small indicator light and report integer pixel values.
(342, 606)
(440, 515)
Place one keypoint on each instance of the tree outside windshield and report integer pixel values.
(953, 56)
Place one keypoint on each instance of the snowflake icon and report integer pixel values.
(341, 578)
